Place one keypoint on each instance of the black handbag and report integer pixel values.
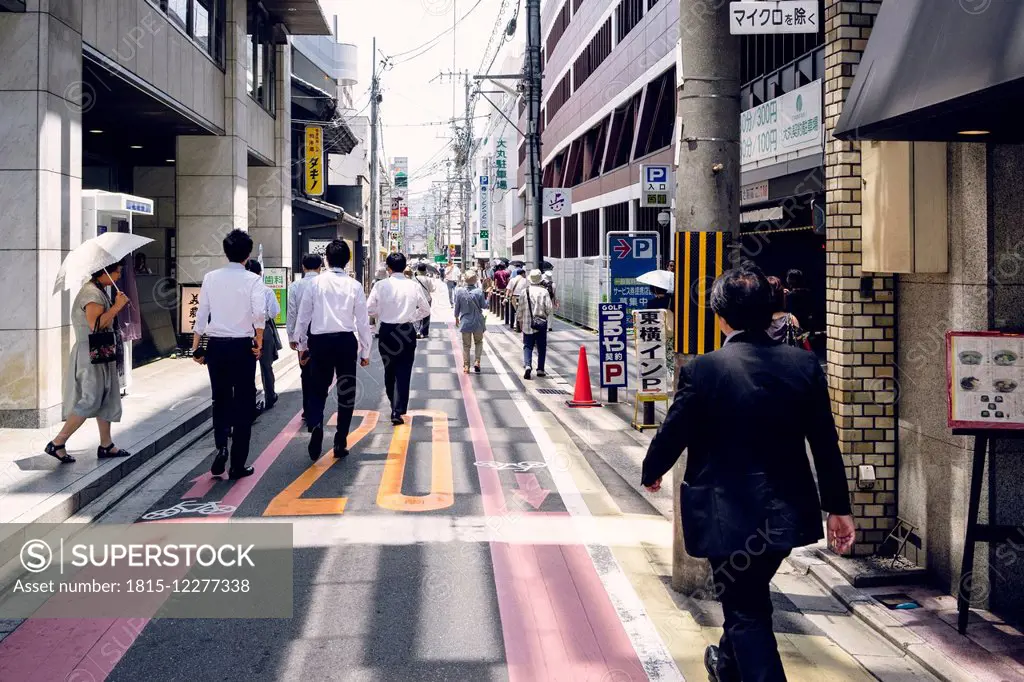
(102, 345)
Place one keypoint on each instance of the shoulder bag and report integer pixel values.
(102, 345)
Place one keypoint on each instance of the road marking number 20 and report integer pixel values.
(289, 502)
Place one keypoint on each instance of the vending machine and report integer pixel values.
(112, 212)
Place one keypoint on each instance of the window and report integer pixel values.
(628, 14)
(593, 55)
(202, 21)
(261, 61)
(558, 28)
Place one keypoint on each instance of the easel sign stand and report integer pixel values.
(985, 395)
(652, 368)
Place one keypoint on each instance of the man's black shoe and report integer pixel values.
(241, 473)
(340, 453)
(396, 419)
(219, 462)
(316, 443)
(711, 662)
(270, 402)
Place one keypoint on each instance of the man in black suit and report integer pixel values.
(748, 495)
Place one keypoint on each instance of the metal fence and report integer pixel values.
(579, 284)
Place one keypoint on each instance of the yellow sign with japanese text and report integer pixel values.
(314, 161)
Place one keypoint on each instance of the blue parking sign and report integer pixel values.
(631, 254)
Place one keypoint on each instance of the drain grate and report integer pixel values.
(552, 391)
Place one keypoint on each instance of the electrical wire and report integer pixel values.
(433, 41)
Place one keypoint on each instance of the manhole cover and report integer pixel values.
(552, 391)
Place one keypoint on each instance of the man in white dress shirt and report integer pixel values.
(426, 282)
(311, 265)
(232, 312)
(399, 303)
(334, 329)
(271, 341)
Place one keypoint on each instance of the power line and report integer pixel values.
(433, 41)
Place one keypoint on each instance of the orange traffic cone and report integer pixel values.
(582, 396)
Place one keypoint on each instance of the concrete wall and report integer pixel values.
(935, 466)
(156, 183)
(138, 36)
(260, 130)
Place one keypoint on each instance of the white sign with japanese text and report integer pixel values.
(188, 308)
(782, 125)
(773, 17)
(485, 203)
(501, 150)
(651, 358)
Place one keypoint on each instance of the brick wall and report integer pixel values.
(861, 329)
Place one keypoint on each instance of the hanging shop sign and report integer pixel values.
(188, 307)
(985, 380)
(501, 164)
(485, 204)
(319, 246)
(276, 280)
(611, 322)
(314, 161)
(782, 125)
(652, 364)
(755, 17)
(557, 202)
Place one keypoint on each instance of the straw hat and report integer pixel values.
(470, 276)
(535, 276)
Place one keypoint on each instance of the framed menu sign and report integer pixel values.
(985, 374)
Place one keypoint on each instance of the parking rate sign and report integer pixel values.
(629, 256)
(613, 353)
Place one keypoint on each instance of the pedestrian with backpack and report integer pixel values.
(785, 328)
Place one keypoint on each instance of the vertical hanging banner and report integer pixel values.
(188, 307)
(276, 280)
(612, 334)
(314, 161)
(652, 365)
(700, 258)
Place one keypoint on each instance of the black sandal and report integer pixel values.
(105, 452)
(54, 451)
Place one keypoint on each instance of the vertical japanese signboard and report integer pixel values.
(188, 307)
(485, 209)
(652, 366)
(276, 280)
(501, 164)
(613, 353)
(314, 161)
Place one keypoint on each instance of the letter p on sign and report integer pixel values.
(612, 372)
(643, 248)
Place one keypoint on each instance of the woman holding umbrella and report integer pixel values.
(92, 390)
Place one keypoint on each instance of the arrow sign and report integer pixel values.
(530, 491)
(623, 248)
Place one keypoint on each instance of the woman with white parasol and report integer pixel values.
(91, 385)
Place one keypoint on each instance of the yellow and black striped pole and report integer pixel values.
(700, 258)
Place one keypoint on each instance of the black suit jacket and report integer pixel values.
(744, 412)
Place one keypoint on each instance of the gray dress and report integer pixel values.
(90, 390)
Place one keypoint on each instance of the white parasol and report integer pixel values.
(663, 279)
(94, 255)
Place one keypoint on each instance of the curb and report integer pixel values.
(807, 560)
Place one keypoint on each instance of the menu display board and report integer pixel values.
(985, 375)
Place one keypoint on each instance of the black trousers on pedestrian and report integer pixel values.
(332, 355)
(748, 651)
(397, 344)
(232, 368)
(424, 326)
(306, 378)
(267, 363)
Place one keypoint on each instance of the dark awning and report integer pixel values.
(934, 68)
(301, 17)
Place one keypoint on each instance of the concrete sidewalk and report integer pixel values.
(169, 400)
(890, 644)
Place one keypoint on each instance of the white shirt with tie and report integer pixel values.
(398, 300)
(295, 293)
(232, 303)
(334, 302)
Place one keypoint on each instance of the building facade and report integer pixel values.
(185, 102)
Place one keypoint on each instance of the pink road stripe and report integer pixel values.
(46, 649)
(201, 487)
(557, 620)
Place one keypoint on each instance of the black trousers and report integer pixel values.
(748, 651)
(267, 363)
(397, 344)
(232, 368)
(423, 326)
(306, 377)
(332, 355)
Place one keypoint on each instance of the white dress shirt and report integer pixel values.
(398, 300)
(296, 290)
(426, 283)
(334, 302)
(273, 308)
(232, 303)
(453, 274)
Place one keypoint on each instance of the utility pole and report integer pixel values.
(374, 170)
(468, 199)
(708, 177)
(533, 220)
